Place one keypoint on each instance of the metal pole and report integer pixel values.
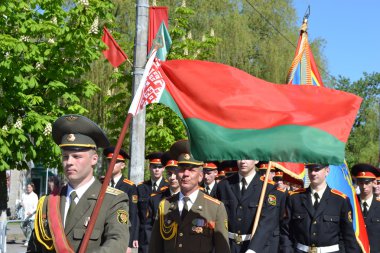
(137, 131)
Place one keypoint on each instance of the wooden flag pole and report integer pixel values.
(106, 181)
(261, 201)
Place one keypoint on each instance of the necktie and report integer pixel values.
(243, 186)
(365, 209)
(73, 195)
(185, 209)
(316, 202)
(154, 186)
(112, 183)
(207, 189)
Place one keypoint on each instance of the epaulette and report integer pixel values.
(211, 199)
(262, 178)
(297, 191)
(280, 189)
(143, 182)
(128, 181)
(163, 188)
(167, 181)
(339, 193)
(201, 188)
(113, 191)
(378, 198)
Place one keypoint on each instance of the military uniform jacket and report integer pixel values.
(144, 190)
(203, 230)
(372, 223)
(242, 210)
(329, 225)
(130, 189)
(273, 244)
(110, 233)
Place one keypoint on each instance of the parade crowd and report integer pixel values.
(196, 206)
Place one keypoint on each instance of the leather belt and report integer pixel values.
(312, 249)
(239, 238)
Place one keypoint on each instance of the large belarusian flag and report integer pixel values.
(231, 115)
(304, 71)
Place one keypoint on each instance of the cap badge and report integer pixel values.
(71, 118)
(186, 157)
(70, 138)
(363, 173)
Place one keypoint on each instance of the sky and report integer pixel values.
(351, 29)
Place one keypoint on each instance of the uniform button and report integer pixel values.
(180, 234)
(313, 245)
(180, 245)
(239, 219)
(239, 232)
(315, 222)
(314, 234)
(240, 207)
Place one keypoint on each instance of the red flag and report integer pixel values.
(114, 54)
(157, 14)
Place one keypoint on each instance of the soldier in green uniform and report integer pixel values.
(63, 216)
(190, 221)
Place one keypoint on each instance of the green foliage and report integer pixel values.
(363, 144)
(46, 46)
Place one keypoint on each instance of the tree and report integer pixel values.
(46, 46)
(363, 144)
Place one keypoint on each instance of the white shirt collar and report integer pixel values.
(248, 179)
(320, 192)
(158, 182)
(80, 190)
(369, 201)
(211, 186)
(116, 179)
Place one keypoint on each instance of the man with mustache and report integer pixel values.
(190, 221)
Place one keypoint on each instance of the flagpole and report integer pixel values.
(261, 201)
(105, 184)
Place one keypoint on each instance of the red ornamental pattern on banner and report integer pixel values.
(154, 86)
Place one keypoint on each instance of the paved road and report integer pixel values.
(15, 239)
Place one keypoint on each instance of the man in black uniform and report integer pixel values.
(144, 190)
(118, 181)
(279, 195)
(366, 178)
(241, 193)
(210, 172)
(318, 219)
(171, 165)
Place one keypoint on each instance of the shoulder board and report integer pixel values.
(143, 182)
(167, 181)
(113, 191)
(201, 188)
(339, 193)
(378, 198)
(154, 194)
(163, 188)
(211, 199)
(297, 191)
(280, 189)
(262, 178)
(128, 181)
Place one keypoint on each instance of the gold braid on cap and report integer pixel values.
(167, 231)
(41, 234)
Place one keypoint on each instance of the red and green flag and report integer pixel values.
(231, 115)
(304, 71)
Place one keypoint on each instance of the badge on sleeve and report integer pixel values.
(350, 216)
(272, 200)
(122, 216)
